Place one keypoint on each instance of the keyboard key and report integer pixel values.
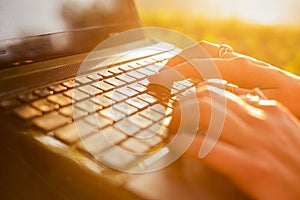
(103, 86)
(134, 65)
(137, 103)
(51, 121)
(102, 100)
(113, 135)
(157, 128)
(137, 87)
(125, 108)
(125, 68)
(57, 88)
(112, 114)
(67, 134)
(160, 92)
(84, 129)
(95, 77)
(127, 91)
(88, 106)
(115, 70)
(178, 86)
(98, 121)
(149, 138)
(90, 90)
(136, 75)
(148, 98)
(158, 58)
(159, 108)
(76, 95)
(166, 121)
(115, 82)
(143, 62)
(116, 96)
(126, 78)
(60, 99)
(73, 132)
(151, 114)
(185, 83)
(94, 144)
(145, 71)
(27, 97)
(153, 68)
(83, 80)
(43, 92)
(188, 91)
(72, 113)
(8, 103)
(70, 84)
(101, 140)
(27, 112)
(139, 121)
(117, 158)
(135, 146)
(127, 127)
(150, 60)
(144, 82)
(105, 74)
(174, 91)
(44, 105)
(160, 64)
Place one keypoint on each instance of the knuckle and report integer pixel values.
(262, 168)
(203, 90)
(203, 43)
(206, 45)
(241, 60)
(276, 110)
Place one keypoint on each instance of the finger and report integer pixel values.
(258, 92)
(224, 158)
(205, 49)
(219, 117)
(251, 59)
(221, 84)
(213, 50)
(238, 71)
(221, 150)
(201, 50)
(201, 69)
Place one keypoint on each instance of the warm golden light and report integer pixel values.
(259, 11)
(254, 11)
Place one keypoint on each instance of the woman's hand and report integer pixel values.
(258, 147)
(203, 62)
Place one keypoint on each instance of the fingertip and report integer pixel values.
(176, 60)
(152, 78)
(204, 42)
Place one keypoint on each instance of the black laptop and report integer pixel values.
(77, 119)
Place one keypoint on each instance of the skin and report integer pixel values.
(258, 150)
(240, 70)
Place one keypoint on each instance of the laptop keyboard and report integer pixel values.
(112, 103)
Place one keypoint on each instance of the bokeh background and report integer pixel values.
(265, 29)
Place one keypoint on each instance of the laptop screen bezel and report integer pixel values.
(9, 59)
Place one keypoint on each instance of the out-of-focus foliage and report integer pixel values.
(278, 45)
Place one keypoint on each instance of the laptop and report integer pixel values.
(77, 119)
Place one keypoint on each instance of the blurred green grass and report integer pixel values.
(278, 45)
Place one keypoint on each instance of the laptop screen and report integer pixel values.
(34, 30)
